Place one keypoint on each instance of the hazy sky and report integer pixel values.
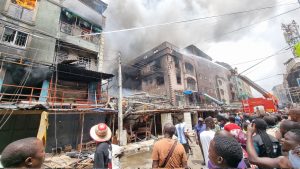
(210, 35)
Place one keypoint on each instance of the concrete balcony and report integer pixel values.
(69, 34)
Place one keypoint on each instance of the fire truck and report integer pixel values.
(251, 105)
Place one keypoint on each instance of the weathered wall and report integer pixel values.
(47, 20)
(18, 127)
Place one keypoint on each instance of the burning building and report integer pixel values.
(49, 63)
(188, 77)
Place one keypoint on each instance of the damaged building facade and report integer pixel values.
(188, 78)
(48, 63)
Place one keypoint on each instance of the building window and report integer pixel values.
(191, 84)
(178, 77)
(220, 82)
(189, 68)
(298, 81)
(160, 80)
(84, 62)
(14, 37)
(222, 92)
(19, 12)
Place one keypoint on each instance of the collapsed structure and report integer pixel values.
(48, 63)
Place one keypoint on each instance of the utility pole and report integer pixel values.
(120, 110)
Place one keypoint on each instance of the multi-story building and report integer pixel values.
(49, 59)
(182, 75)
(282, 95)
(292, 78)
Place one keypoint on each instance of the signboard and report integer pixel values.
(297, 49)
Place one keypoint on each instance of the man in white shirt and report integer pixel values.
(206, 136)
(117, 152)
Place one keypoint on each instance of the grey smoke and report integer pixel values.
(132, 13)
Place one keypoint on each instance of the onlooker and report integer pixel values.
(295, 115)
(199, 128)
(168, 153)
(24, 153)
(182, 135)
(284, 127)
(101, 133)
(225, 152)
(231, 125)
(265, 145)
(238, 119)
(271, 122)
(242, 164)
(117, 153)
(290, 142)
(206, 136)
(217, 126)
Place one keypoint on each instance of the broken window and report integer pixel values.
(222, 92)
(14, 37)
(160, 80)
(84, 62)
(178, 77)
(191, 84)
(176, 60)
(19, 12)
(189, 68)
(220, 82)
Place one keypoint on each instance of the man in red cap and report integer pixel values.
(101, 133)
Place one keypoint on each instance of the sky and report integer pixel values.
(211, 35)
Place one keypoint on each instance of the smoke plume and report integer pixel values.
(122, 14)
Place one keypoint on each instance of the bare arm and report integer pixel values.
(187, 136)
(184, 165)
(279, 162)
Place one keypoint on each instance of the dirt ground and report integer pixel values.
(143, 160)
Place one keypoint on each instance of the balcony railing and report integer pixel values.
(56, 98)
(74, 30)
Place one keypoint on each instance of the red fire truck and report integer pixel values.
(269, 102)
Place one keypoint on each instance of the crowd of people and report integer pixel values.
(235, 141)
(227, 141)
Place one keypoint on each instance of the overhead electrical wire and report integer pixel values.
(276, 53)
(182, 21)
(268, 77)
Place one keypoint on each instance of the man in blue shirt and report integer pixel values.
(199, 128)
(181, 133)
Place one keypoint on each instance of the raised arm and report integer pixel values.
(279, 162)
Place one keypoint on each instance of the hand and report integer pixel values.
(296, 151)
(250, 128)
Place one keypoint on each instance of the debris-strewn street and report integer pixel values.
(144, 160)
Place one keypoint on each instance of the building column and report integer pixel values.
(165, 118)
(44, 92)
(92, 87)
(2, 75)
(100, 54)
(188, 121)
